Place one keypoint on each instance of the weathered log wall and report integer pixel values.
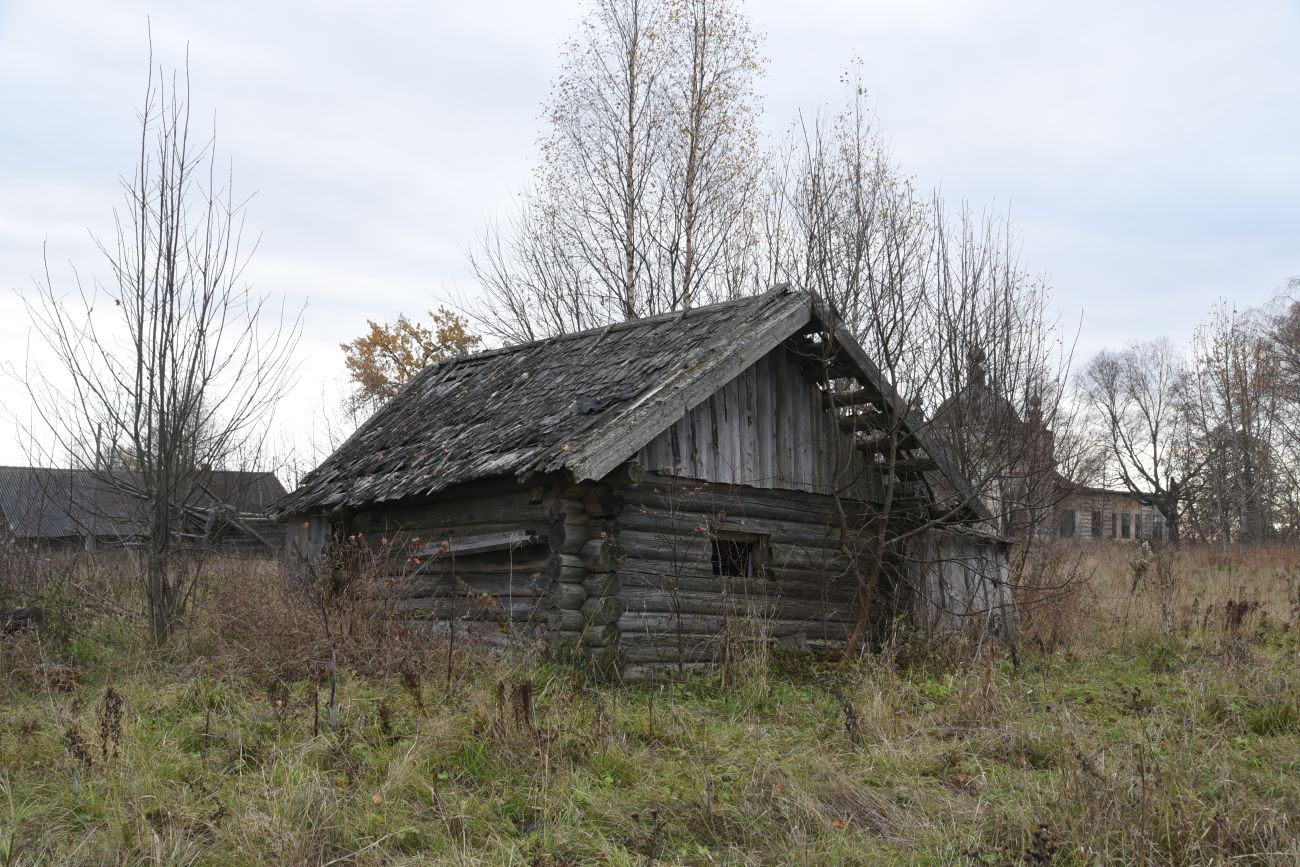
(538, 560)
(678, 613)
(478, 553)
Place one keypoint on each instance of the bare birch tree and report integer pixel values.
(172, 364)
(709, 170)
(641, 201)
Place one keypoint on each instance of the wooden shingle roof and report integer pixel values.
(583, 402)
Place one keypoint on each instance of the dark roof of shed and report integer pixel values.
(582, 402)
(53, 503)
(60, 503)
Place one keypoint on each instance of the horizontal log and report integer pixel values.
(603, 609)
(575, 519)
(785, 531)
(649, 601)
(566, 596)
(600, 635)
(495, 562)
(522, 584)
(602, 584)
(665, 546)
(572, 576)
(811, 577)
(757, 587)
(504, 508)
(706, 503)
(568, 562)
(807, 557)
(566, 621)
(602, 555)
(664, 570)
(431, 536)
(660, 624)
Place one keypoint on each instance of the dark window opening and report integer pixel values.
(1157, 528)
(737, 556)
(1067, 523)
(1124, 525)
(1114, 525)
(1096, 525)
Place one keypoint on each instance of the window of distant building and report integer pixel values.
(1096, 525)
(1125, 525)
(1067, 523)
(1114, 525)
(1157, 528)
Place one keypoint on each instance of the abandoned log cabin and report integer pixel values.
(649, 494)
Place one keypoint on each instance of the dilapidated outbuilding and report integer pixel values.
(60, 507)
(649, 493)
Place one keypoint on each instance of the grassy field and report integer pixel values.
(1152, 722)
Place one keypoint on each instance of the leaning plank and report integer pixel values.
(481, 544)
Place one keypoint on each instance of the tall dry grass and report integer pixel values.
(1100, 596)
(1149, 717)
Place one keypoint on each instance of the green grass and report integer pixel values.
(1168, 749)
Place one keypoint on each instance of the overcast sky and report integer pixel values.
(1149, 153)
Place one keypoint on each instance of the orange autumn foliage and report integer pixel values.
(383, 360)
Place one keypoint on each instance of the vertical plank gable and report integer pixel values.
(766, 428)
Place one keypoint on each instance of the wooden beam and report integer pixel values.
(863, 397)
(923, 464)
(876, 442)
